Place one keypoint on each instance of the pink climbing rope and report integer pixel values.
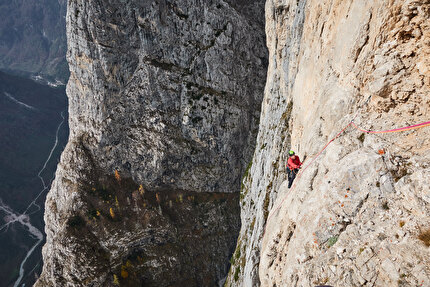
(417, 126)
(302, 171)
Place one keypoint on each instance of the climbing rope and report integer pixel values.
(417, 126)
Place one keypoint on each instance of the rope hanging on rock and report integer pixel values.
(417, 126)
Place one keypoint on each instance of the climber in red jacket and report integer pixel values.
(293, 166)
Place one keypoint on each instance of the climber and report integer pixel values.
(293, 166)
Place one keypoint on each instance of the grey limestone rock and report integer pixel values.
(164, 102)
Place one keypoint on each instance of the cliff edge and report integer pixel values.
(164, 101)
(358, 214)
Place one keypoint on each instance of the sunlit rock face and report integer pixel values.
(164, 98)
(358, 214)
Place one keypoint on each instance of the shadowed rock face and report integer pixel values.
(167, 94)
(174, 85)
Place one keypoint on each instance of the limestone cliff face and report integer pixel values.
(164, 103)
(355, 215)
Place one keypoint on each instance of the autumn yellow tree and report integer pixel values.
(115, 280)
(117, 176)
(141, 190)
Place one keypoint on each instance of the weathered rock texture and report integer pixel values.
(164, 104)
(356, 215)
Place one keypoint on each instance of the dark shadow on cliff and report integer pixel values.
(144, 237)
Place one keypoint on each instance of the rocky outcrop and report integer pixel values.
(164, 103)
(358, 214)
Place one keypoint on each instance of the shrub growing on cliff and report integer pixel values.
(424, 236)
(236, 274)
(117, 176)
(101, 192)
(115, 280)
(266, 205)
(93, 213)
(76, 221)
(332, 241)
(125, 268)
(141, 190)
(385, 206)
(124, 273)
(248, 168)
(236, 255)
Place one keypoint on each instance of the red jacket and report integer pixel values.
(293, 164)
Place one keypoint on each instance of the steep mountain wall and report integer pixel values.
(358, 214)
(164, 103)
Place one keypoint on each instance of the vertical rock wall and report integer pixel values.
(164, 107)
(358, 214)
